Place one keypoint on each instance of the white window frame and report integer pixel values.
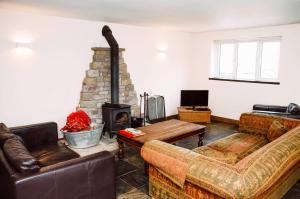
(260, 41)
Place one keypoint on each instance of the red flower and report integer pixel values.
(77, 121)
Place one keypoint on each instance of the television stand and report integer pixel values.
(194, 114)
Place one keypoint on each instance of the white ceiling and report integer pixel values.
(183, 15)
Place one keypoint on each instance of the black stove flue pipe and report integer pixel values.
(114, 63)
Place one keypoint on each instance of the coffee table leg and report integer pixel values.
(146, 168)
(200, 142)
(121, 149)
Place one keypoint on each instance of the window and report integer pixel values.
(251, 60)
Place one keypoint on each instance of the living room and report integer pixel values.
(46, 52)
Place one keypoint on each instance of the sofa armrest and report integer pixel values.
(37, 134)
(89, 177)
(171, 160)
(203, 171)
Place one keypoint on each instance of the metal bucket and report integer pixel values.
(84, 139)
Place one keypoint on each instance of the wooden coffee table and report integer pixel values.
(170, 131)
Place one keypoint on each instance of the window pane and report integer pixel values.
(226, 60)
(270, 60)
(246, 60)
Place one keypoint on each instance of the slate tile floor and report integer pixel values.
(132, 183)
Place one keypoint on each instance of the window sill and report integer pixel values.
(247, 81)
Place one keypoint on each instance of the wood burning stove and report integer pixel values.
(116, 116)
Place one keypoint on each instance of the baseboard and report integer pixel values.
(224, 119)
(170, 117)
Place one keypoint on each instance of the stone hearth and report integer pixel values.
(96, 85)
(105, 144)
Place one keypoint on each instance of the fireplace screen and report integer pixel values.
(156, 109)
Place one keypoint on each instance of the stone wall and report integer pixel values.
(96, 85)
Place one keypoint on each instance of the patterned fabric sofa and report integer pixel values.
(243, 165)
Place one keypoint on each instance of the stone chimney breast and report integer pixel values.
(96, 85)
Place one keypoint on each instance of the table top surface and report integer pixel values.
(167, 130)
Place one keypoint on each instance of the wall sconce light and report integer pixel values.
(161, 48)
(161, 53)
(23, 47)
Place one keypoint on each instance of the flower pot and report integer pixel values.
(84, 139)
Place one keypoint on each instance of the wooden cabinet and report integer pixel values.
(200, 114)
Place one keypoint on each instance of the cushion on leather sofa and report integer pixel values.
(4, 137)
(5, 134)
(293, 108)
(3, 128)
(19, 156)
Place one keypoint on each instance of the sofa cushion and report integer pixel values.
(3, 128)
(19, 156)
(241, 144)
(276, 130)
(223, 156)
(53, 153)
(293, 108)
(6, 136)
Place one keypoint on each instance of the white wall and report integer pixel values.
(45, 84)
(230, 99)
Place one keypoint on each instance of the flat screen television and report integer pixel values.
(194, 98)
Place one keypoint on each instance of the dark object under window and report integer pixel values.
(290, 111)
(293, 109)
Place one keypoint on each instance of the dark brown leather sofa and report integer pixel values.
(34, 165)
(290, 111)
